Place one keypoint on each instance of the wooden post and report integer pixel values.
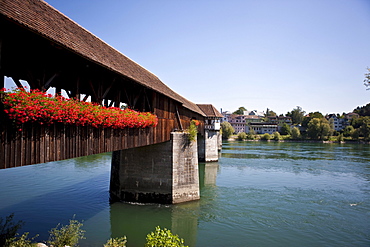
(2, 74)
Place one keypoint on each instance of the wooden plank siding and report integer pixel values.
(35, 144)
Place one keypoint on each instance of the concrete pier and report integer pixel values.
(160, 173)
(209, 146)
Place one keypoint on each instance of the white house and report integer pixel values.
(262, 128)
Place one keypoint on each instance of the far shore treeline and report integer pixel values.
(312, 126)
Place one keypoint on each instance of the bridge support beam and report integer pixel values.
(209, 145)
(160, 173)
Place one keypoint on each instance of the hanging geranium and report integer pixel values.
(38, 107)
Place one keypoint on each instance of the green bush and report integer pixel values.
(340, 138)
(8, 229)
(163, 238)
(193, 131)
(21, 241)
(277, 136)
(242, 136)
(286, 137)
(116, 242)
(69, 235)
(266, 137)
(296, 133)
(250, 136)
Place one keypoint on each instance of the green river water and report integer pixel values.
(258, 194)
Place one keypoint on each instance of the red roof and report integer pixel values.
(209, 110)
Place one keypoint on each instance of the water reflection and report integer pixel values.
(135, 221)
(208, 173)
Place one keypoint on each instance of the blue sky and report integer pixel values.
(275, 54)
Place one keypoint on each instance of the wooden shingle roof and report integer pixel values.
(210, 110)
(41, 18)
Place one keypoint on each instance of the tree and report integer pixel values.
(355, 134)
(297, 115)
(270, 113)
(296, 133)
(348, 131)
(367, 79)
(319, 129)
(363, 110)
(311, 115)
(365, 128)
(285, 129)
(356, 122)
(227, 130)
(240, 111)
(331, 123)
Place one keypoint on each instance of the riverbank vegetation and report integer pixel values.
(69, 235)
(311, 127)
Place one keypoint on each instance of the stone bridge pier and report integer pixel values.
(161, 173)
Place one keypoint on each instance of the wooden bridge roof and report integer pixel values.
(210, 110)
(41, 18)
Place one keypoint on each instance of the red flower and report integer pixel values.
(36, 106)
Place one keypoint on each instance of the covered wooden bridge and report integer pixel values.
(43, 47)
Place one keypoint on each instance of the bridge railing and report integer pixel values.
(39, 144)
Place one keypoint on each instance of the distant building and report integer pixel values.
(237, 122)
(280, 120)
(341, 122)
(254, 113)
(351, 115)
(225, 115)
(262, 128)
(213, 117)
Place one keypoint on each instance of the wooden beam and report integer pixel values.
(178, 118)
(137, 98)
(31, 80)
(1, 56)
(77, 95)
(117, 100)
(48, 83)
(128, 98)
(108, 89)
(69, 93)
(147, 99)
(2, 80)
(85, 98)
(17, 82)
(58, 91)
(94, 93)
